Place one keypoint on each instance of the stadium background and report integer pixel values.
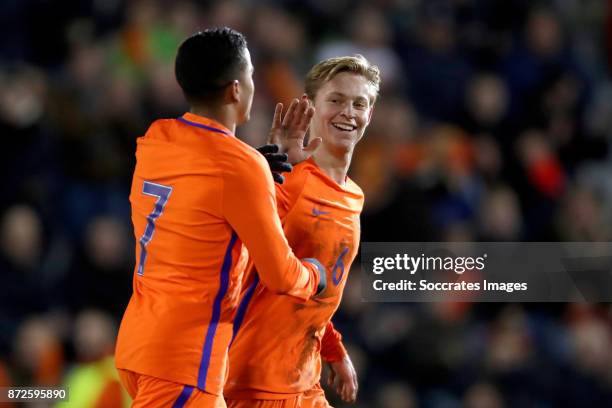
(494, 123)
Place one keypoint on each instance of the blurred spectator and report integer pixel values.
(483, 396)
(500, 216)
(437, 73)
(581, 218)
(396, 395)
(590, 340)
(21, 251)
(93, 382)
(29, 158)
(38, 354)
(367, 34)
(101, 273)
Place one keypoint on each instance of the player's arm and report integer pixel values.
(332, 349)
(249, 206)
(278, 164)
(342, 374)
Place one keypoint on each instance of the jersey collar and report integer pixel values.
(329, 180)
(204, 123)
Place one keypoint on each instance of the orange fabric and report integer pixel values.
(178, 323)
(5, 381)
(332, 348)
(293, 402)
(314, 398)
(148, 392)
(49, 371)
(275, 353)
(111, 396)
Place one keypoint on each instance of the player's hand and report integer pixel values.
(343, 379)
(277, 161)
(289, 131)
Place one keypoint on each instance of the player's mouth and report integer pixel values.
(344, 127)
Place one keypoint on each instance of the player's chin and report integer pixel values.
(347, 139)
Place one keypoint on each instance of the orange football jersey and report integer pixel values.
(200, 197)
(276, 348)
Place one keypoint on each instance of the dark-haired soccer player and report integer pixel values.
(275, 356)
(200, 198)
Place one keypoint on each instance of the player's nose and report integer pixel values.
(348, 111)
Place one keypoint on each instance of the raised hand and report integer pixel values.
(343, 379)
(289, 131)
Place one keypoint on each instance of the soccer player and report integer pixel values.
(200, 198)
(275, 355)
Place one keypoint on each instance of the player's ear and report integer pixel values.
(233, 91)
(370, 113)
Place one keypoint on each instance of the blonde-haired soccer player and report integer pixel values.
(275, 355)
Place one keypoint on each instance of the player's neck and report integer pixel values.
(221, 114)
(335, 165)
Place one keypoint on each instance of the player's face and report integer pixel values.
(343, 110)
(247, 90)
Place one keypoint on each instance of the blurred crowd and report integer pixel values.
(494, 124)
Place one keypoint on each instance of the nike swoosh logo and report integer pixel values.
(316, 212)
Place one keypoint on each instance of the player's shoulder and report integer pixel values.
(240, 161)
(183, 133)
(245, 149)
(242, 154)
(208, 139)
(296, 179)
(353, 187)
(161, 129)
(303, 169)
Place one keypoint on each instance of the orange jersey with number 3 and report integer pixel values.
(200, 197)
(275, 351)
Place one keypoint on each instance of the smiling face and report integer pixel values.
(343, 108)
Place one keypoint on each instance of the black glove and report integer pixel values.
(277, 161)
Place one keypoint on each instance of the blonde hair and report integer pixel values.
(327, 69)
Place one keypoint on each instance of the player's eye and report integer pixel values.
(360, 105)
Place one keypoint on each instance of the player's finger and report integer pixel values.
(267, 149)
(289, 115)
(330, 379)
(345, 393)
(307, 117)
(278, 178)
(351, 397)
(313, 144)
(278, 115)
(300, 113)
(281, 167)
(274, 156)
